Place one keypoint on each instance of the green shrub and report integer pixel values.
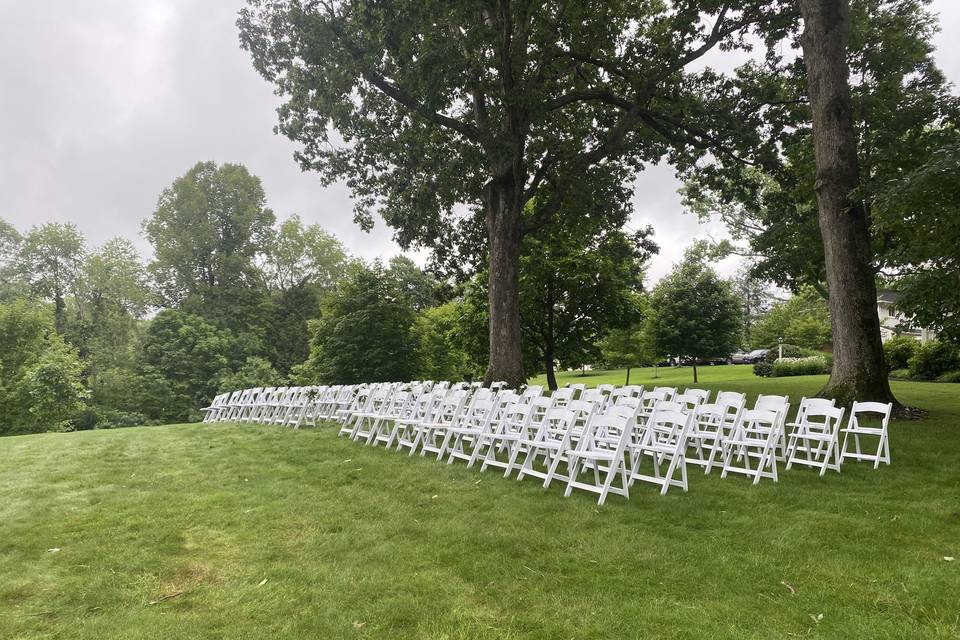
(950, 376)
(934, 359)
(900, 374)
(898, 350)
(809, 366)
(763, 369)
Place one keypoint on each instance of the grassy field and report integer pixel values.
(239, 531)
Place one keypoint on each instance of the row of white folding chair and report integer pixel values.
(218, 404)
(530, 427)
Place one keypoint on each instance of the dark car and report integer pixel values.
(749, 358)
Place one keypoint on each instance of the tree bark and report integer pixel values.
(695, 371)
(858, 372)
(502, 200)
(549, 347)
(551, 373)
(627, 383)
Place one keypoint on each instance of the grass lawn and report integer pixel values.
(240, 531)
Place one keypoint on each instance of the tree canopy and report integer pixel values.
(693, 312)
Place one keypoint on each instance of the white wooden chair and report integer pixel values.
(703, 394)
(664, 441)
(604, 463)
(381, 426)
(754, 438)
(432, 433)
(863, 417)
(462, 437)
(817, 404)
(211, 412)
(712, 424)
(519, 422)
(815, 443)
(667, 392)
(780, 404)
(405, 431)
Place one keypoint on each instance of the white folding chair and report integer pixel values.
(603, 454)
(211, 412)
(806, 404)
(863, 417)
(817, 438)
(755, 437)
(702, 394)
(664, 441)
(561, 397)
(780, 404)
(712, 424)
(432, 433)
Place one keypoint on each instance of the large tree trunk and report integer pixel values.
(503, 233)
(858, 368)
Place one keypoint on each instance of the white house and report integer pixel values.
(893, 322)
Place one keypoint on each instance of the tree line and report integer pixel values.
(232, 297)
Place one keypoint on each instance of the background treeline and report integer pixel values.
(97, 337)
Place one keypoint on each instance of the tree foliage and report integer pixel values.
(364, 334)
(693, 312)
(40, 384)
(903, 112)
(208, 231)
(442, 104)
(802, 320)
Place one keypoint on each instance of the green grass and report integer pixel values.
(354, 542)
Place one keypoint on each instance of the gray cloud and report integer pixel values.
(103, 104)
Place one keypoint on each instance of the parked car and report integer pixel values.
(706, 360)
(749, 358)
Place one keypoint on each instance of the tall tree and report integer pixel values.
(364, 334)
(903, 111)
(693, 312)
(303, 256)
(490, 104)
(574, 289)
(210, 228)
(756, 298)
(858, 368)
(11, 279)
(115, 293)
(51, 261)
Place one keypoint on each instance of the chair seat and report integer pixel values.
(594, 454)
(870, 431)
(746, 442)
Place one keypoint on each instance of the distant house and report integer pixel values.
(894, 323)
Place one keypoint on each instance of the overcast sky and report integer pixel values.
(104, 102)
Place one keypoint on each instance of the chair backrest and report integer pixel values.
(594, 395)
(829, 416)
(627, 401)
(578, 389)
(703, 394)
(532, 391)
(771, 403)
(606, 389)
(668, 392)
(561, 397)
(874, 410)
(689, 401)
(760, 423)
(667, 426)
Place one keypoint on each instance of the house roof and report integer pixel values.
(889, 296)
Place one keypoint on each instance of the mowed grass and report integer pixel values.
(240, 531)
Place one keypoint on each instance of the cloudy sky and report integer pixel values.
(104, 102)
